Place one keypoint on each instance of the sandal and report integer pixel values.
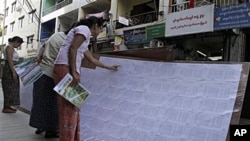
(51, 134)
(13, 109)
(39, 131)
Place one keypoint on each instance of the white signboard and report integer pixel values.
(123, 20)
(190, 21)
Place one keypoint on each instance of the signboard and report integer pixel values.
(155, 31)
(123, 20)
(135, 36)
(190, 21)
(235, 16)
(118, 40)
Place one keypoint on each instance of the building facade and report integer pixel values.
(154, 23)
(1, 25)
(189, 26)
(59, 15)
(200, 30)
(22, 18)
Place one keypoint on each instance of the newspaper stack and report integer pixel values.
(28, 71)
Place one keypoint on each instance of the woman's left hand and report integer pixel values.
(15, 77)
(76, 79)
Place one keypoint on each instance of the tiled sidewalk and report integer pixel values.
(14, 127)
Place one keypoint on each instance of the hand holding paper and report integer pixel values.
(75, 95)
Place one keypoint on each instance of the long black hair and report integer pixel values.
(16, 39)
(72, 26)
(91, 21)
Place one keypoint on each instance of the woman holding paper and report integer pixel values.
(10, 79)
(69, 59)
(44, 111)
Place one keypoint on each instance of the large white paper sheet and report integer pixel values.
(159, 101)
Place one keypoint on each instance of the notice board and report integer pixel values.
(162, 101)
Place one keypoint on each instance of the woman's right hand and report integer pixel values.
(113, 67)
(38, 59)
(76, 79)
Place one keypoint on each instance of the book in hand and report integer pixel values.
(76, 95)
(28, 71)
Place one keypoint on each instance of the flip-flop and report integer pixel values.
(39, 131)
(51, 134)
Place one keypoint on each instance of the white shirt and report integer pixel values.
(63, 55)
(15, 54)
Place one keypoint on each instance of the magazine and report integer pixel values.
(28, 71)
(22, 66)
(76, 95)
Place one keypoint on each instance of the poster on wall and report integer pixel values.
(155, 31)
(118, 42)
(234, 16)
(195, 20)
(135, 36)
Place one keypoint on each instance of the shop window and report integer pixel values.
(6, 11)
(105, 46)
(30, 40)
(13, 7)
(179, 5)
(5, 30)
(207, 2)
(12, 26)
(31, 16)
(20, 22)
(199, 48)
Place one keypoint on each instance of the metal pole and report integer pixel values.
(39, 21)
(3, 32)
(2, 47)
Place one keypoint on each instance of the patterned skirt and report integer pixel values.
(44, 111)
(11, 88)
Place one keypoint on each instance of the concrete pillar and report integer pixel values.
(113, 9)
(162, 10)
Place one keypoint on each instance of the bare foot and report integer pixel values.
(8, 110)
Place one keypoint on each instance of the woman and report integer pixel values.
(69, 59)
(44, 111)
(10, 79)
